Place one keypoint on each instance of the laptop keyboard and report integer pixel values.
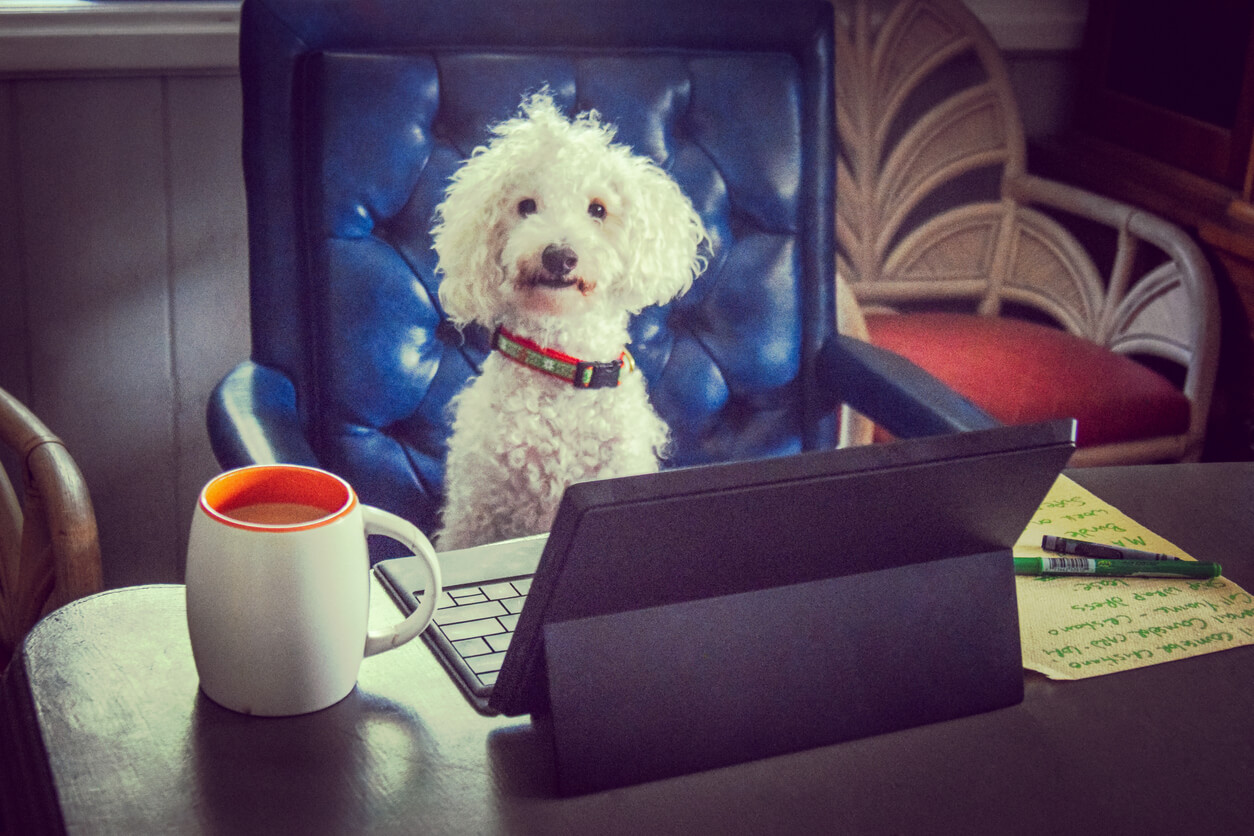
(477, 622)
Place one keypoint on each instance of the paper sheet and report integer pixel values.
(1077, 627)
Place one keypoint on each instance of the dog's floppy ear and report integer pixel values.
(666, 234)
(467, 239)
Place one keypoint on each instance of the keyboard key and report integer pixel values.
(446, 600)
(473, 647)
(514, 605)
(485, 664)
(498, 641)
(495, 591)
(471, 629)
(523, 585)
(470, 612)
(509, 621)
(468, 596)
(489, 678)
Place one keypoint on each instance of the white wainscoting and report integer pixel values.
(123, 287)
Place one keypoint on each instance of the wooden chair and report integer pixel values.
(49, 550)
(1025, 295)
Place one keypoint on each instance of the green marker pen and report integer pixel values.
(1115, 568)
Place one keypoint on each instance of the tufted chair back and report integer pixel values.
(356, 114)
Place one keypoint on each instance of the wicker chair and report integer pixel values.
(49, 550)
(938, 220)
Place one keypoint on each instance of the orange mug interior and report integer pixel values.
(277, 484)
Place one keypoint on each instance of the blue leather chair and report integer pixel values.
(356, 114)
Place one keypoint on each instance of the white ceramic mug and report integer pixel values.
(278, 587)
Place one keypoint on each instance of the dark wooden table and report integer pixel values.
(106, 732)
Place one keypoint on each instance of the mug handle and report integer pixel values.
(378, 521)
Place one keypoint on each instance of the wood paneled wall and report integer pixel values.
(123, 288)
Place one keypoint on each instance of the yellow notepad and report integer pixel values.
(1074, 627)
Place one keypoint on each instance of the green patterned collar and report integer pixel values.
(579, 373)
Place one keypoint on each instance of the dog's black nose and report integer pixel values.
(559, 260)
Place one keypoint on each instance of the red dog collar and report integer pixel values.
(579, 373)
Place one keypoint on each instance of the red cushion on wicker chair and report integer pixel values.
(1020, 372)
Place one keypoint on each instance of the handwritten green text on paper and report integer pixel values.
(1076, 627)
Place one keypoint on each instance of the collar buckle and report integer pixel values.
(597, 375)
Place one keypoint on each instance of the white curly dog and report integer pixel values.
(551, 236)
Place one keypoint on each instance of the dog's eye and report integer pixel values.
(526, 207)
(596, 209)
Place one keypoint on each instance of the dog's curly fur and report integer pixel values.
(626, 237)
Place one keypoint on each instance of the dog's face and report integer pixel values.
(562, 237)
(552, 219)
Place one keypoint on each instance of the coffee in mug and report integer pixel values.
(277, 513)
(278, 586)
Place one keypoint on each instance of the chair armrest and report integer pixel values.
(1029, 188)
(252, 419)
(1200, 356)
(893, 392)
